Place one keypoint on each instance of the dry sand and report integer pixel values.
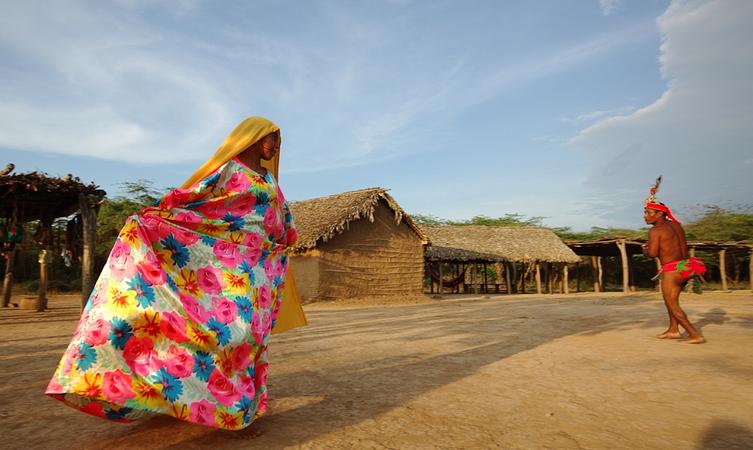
(528, 372)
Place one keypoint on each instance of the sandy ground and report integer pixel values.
(560, 372)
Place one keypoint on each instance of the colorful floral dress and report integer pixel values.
(180, 318)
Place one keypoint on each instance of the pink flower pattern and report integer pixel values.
(162, 331)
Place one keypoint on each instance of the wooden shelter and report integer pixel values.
(515, 251)
(36, 196)
(625, 248)
(356, 244)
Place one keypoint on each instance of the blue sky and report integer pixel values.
(561, 109)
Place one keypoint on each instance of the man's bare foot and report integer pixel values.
(693, 340)
(669, 335)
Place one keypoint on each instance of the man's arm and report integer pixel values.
(651, 248)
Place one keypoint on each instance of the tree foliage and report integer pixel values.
(596, 233)
(716, 223)
(114, 211)
(508, 220)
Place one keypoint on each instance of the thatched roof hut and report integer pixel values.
(38, 196)
(25, 197)
(356, 244)
(479, 243)
(320, 219)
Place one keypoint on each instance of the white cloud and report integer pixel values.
(595, 115)
(95, 84)
(698, 134)
(609, 6)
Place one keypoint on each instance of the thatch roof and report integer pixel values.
(321, 219)
(485, 243)
(37, 195)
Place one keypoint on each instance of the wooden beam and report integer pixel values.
(45, 257)
(522, 277)
(507, 278)
(625, 268)
(723, 267)
(88, 209)
(600, 266)
(440, 279)
(473, 278)
(565, 278)
(538, 278)
(631, 266)
(596, 271)
(486, 288)
(10, 258)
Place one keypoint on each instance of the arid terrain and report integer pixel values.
(521, 372)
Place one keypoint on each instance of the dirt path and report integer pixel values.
(528, 372)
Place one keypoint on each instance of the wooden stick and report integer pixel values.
(625, 269)
(8, 280)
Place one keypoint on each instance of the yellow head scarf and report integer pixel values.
(246, 134)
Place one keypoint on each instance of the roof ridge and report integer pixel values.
(380, 190)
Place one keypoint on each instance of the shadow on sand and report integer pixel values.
(727, 435)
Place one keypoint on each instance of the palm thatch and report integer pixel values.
(321, 219)
(485, 243)
(37, 195)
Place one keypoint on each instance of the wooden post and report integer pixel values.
(600, 265)
(566, 278)
(456, 273)
(538, 278)
(45, 256)
(508, 285)
(625, 269)
(550, 278)
(631, 266)
(486, 288)
(522, 277)
(474, 269)
(441, 288)
(750, 270)
(88, 209)
(427, 269)
(723, 267)
(596, 266)
(10, 258)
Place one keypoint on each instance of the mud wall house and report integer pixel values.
(356, 244)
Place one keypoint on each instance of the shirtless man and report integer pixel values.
(666, 240)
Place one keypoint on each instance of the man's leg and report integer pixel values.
(673, 331)
(671, 287)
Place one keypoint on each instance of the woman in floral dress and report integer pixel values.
(180, 318)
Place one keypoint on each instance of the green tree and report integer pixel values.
(114, 211)
(716, 223)
(596, 233)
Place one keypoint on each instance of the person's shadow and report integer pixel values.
(727, 435)
(717, 316)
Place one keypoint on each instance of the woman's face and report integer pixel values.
(270, 145)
